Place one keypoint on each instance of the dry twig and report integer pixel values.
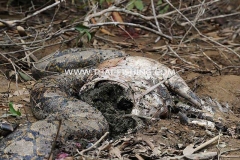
(13, 23)
(200, 32)
(94, 145)
(129, 24)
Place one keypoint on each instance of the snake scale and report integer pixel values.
(69, 103)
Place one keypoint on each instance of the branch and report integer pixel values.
(129, 24)
(165, 15)
(155, 18)
(210, 18)
(15, 22)
(200, 32)
(94, 145)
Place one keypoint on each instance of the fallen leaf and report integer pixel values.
(26, 99)
(188, 150)
(115, 151)
(21, 92)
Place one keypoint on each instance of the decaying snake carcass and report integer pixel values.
(96, 91)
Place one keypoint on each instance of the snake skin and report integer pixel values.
(54, 98)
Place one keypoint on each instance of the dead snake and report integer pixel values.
(54, 102)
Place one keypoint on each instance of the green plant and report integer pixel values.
(164, 8)
(84, 30)
(135, 3)
(108, 1)
(12, 111)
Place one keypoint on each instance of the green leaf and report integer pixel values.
(101, 2)
(82, 28)
(24, 76)
(89, 36)
(130, 5)
(139, 4)
(13, 111)
(159, 2)
(164, 10)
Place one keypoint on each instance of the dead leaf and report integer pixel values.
(115, 151)
(26, 99)
(21, 92)
(188, 150)
(102, 29)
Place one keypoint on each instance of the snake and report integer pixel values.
(82, 93)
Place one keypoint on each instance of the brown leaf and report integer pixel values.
(102, 29)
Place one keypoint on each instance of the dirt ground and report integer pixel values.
(218, 78)
(168, 134)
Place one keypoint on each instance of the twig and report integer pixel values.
(201, 11)
(230, 67)
(114, 42)
(115, 9)
(55, 139)
(123, 28)
(210, 59)
(9, 37)
(129, 24)
(230, 150)
(201, 33)
(56, 34)
(211, 18)
(51, 23)
(181, 57)
(50, 45)
(231, 156)
(28, 53)
(103, 147)
(16, 78)
(138, 116)
(88, 149)
(16, 75)
(207, 143)
(156, 21)
(6, 23)
(15, 22)
(25, 72)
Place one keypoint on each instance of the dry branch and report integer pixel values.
(148, 18)
(94, 145)
(200, 32)
(13, 23)
(129, 24)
